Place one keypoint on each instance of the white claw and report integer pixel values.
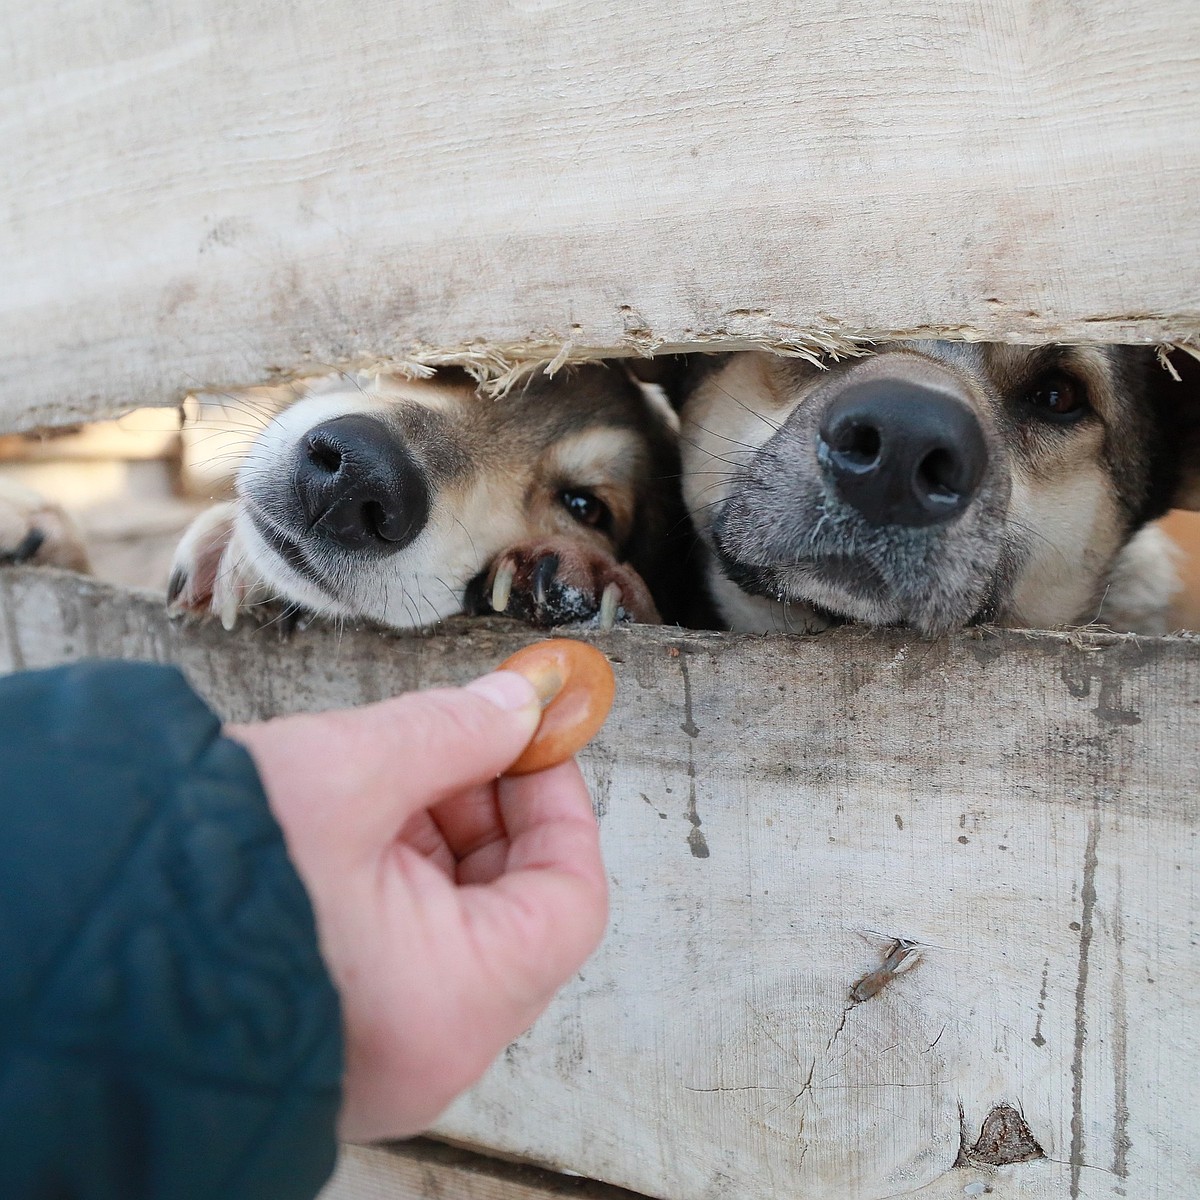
(608, 606)
(225, 600)
(229, 612)
(502, 587)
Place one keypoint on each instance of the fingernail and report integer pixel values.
(506, 690)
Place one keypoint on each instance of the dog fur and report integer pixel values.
(502, 479)
(1056, 534)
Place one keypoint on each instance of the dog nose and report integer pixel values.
(359, 487)
(902, 453)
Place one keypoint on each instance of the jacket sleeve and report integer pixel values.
(167, 1027)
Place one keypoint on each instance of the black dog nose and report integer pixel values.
(902, 453)
(358, 485)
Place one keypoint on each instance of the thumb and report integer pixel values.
(361, 773)
(428, 746)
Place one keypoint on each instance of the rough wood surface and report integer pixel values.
(202, 194)
(1012, 819)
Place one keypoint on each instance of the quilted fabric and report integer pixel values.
(167, 1027)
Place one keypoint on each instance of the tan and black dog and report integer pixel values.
(407, 501)
(938, 484)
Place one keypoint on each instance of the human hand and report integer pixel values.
(451, 905)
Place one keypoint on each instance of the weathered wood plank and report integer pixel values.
(200, 194)
(774, 813)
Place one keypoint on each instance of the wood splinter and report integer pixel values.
(901, 956)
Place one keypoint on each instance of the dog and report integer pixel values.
(403, 502)
(936, 485)
(35, 532)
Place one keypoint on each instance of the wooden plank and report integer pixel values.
(425, 1170)
(775, 812)
(206, 194)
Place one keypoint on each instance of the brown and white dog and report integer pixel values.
(35, 532)
(939, 484)
(406, 501)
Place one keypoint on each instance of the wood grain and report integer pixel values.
(775, 813)
(208, 195)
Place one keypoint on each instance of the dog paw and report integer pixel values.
(210, 576)
(196, 567)
(36, 532)
(561, 582)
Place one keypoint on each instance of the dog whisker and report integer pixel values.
(745, 446)
(712, 453)
(752, 411)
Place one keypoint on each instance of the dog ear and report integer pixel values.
(1177, 387)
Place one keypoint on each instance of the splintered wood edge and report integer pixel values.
(497, 369)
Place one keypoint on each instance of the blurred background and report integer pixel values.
(134, 484)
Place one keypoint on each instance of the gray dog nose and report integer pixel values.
(902, 453)
(359, 487)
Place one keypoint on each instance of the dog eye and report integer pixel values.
(586, 508)
(1058, 397)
